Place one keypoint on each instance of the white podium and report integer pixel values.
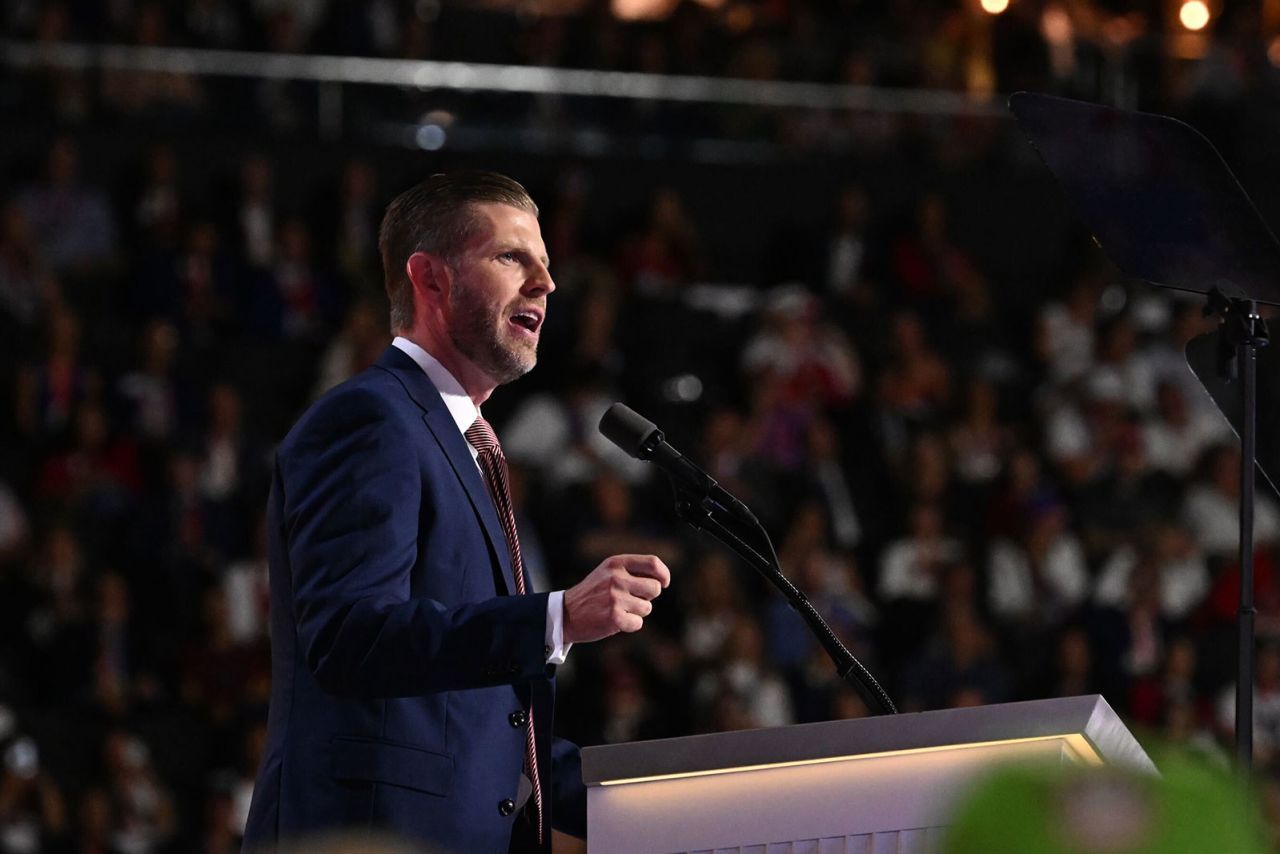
(880, 785)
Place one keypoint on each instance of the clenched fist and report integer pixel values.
(615, 597)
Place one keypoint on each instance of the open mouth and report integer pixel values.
(527, 320)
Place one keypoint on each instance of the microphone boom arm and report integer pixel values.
(704, 513)
(709, 507)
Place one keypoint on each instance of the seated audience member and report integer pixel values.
(73, 221)
(1130, 639)
(33, 811)
(713, 609)
(27, 284)
(915, 385)
(1073, 672)
(50, 388)
(744, 674)
(150, 394)
(1040, 577)
(1266, 706)
(353, 349)
(1066, 332)
(1212, 507)
(617, 528)
(1126, 498)
(811, 359)
(911, 566)
(1173, 685)
(959, 666)
(146, 818)
(979, 441)
(1175, 435)
(1182, 570)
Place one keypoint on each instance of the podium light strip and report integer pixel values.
(1083, 752)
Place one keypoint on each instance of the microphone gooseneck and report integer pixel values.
(707, 506)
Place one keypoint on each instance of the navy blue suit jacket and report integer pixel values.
(399, 650)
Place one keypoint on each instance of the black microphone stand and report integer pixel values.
(736, 530)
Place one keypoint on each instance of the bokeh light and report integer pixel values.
(641, 10)
(1194, 14)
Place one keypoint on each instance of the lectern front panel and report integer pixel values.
(878, 785)
(844, 805)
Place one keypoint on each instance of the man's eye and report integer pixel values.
(508, 256)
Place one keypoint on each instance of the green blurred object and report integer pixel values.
(1072, 810)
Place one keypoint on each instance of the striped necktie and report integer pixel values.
(494, 466)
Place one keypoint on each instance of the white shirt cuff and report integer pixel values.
(557, 649)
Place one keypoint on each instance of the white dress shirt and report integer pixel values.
(465, 412)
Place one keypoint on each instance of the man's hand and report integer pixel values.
(615, 597)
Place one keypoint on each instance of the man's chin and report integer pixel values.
(501, 364)
(512, 370)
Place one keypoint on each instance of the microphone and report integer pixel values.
(640, 438)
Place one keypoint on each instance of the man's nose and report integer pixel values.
(540, 282)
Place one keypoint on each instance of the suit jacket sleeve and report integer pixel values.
(352, 503)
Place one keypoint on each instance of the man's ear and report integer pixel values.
(430, 277)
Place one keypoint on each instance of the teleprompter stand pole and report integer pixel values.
(1165, 208)
(1242, 333)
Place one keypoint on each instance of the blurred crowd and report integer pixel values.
(985, 507)
(993, 487)
(1135, 54)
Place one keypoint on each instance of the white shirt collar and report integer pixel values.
(456, 400)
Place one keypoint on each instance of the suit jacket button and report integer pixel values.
(506, 807)
(518, 718)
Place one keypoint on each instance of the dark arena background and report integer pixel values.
(803, 236)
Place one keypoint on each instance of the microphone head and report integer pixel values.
(630, 431)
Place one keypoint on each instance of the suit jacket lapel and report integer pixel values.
(445, 430)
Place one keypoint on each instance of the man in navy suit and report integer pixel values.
(412, 682)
